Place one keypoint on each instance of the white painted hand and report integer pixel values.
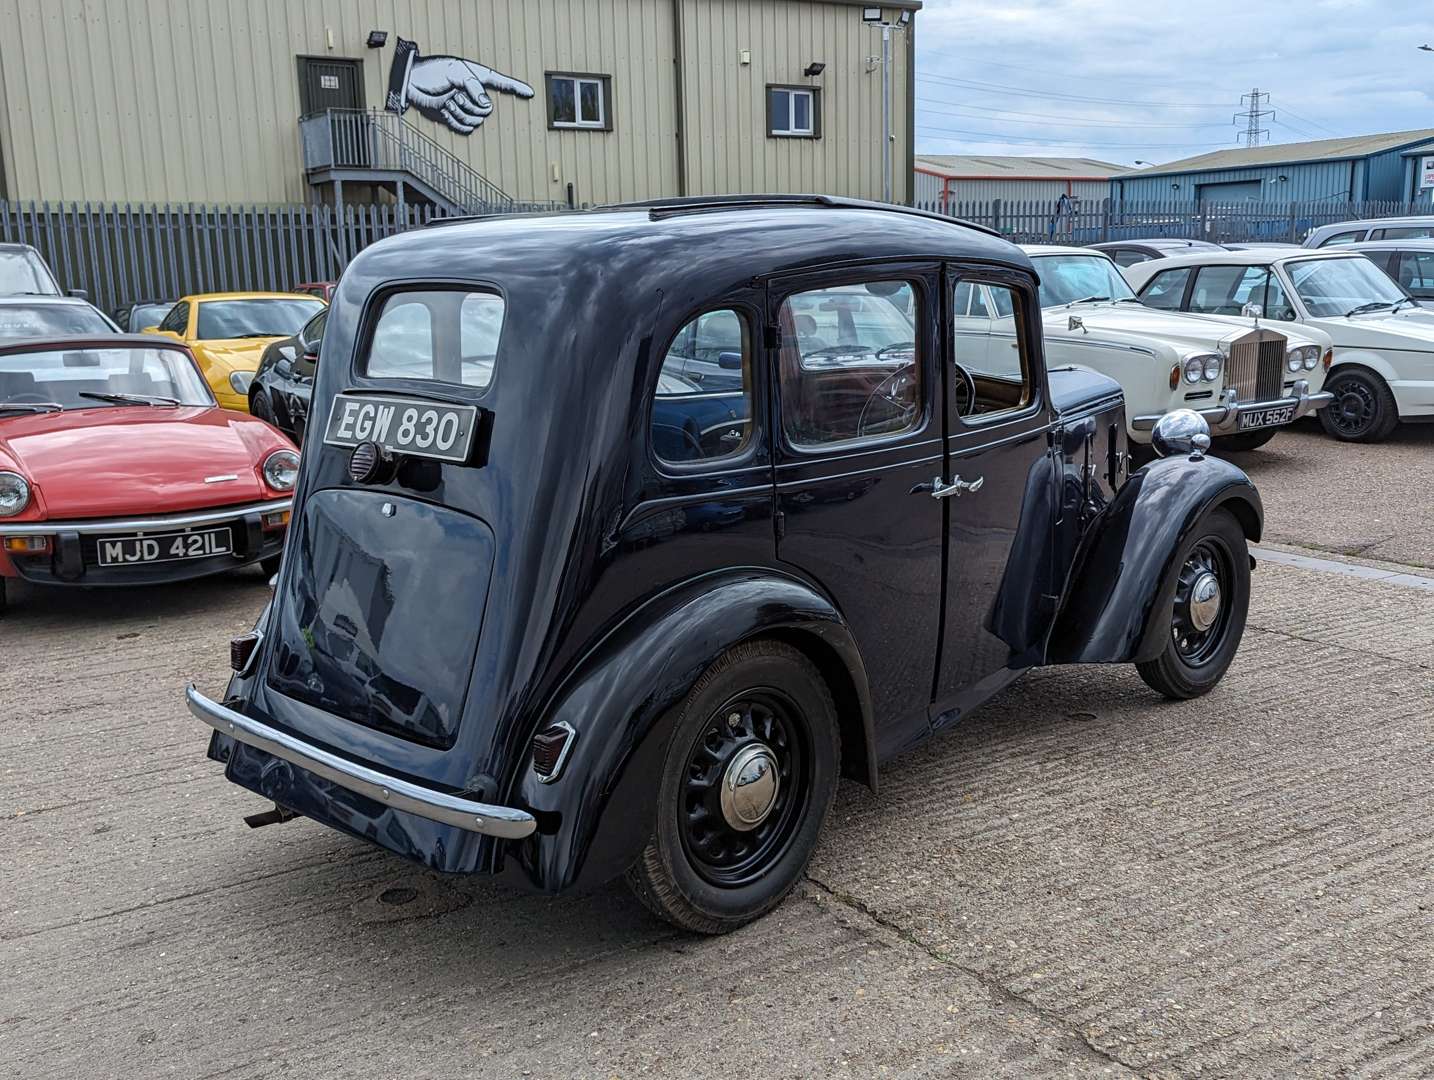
(455, 90)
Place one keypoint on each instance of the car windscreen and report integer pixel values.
(254, 318)
(1331, 287)
(143, 316)
(1068, 278)
(46, 320)
(94, 378)
(23, 273)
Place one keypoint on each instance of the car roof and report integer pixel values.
(55, 342)
(1416, 243)
(1247, 257)
(44, 300)
(1061, 249)
(201, 298)
(1378, 223)
(11, 245)
(1173, 243)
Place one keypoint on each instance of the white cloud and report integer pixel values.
(1335, 67)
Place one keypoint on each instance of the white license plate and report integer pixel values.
(164, 547)
(1277, 414)
(402, 425)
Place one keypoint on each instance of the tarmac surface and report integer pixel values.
(1082, 880)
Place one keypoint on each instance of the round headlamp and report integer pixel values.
(1212, 364)
(281, 470)
(1302, 358)
(1311, 357)
(1194, 369)
(240, 381)
(14, 494)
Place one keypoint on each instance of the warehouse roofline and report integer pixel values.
(1002, 167)
(1259, 157)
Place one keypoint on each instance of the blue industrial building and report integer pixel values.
(1361, 168)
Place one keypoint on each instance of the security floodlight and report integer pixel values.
(815, 68)
(904, 17)
(871, 14)
(377, 39)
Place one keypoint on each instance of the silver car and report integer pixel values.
(1353, 232)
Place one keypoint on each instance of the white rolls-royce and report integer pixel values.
(1383, 368)
(1246, 382)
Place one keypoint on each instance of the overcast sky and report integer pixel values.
(1003, 77)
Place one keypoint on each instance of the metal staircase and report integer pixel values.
(366, 146)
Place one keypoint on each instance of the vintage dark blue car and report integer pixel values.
(284, 381)
(621, 535)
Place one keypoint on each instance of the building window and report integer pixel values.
(577, 100)
(794, 112)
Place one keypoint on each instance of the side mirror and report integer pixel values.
(1252, 311)
(78, 294)
(731, 361)
(1181, 431)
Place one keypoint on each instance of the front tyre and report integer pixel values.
(1248, 440)
(746, 785)
(1207, 620)
(1363, 409)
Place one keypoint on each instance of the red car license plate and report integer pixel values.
(164, 547)
(1278, 414)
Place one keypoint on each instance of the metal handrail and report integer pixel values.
(371, 139)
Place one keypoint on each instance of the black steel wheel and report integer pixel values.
(746, 785)
(259, 406)
(1363, 409)
(1211, 597)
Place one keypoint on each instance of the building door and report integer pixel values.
(327, 83)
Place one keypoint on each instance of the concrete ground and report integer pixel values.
(1083, 880)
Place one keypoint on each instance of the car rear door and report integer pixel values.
(858, 443)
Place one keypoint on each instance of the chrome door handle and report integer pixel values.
(942, 490)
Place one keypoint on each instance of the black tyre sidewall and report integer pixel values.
(1170, 674)
(1385, 414)
(1245, 442)
(766, 664)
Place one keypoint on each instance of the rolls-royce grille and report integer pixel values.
(1257, 366)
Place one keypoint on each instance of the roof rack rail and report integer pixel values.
(690, 204)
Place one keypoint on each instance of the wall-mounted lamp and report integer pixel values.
(904, 17)
(1174, 187)
(871, 14)
(377, 39)
(815, 68)
(1282, 178)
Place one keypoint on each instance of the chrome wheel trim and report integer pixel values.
(749, 787)
(1202, 601)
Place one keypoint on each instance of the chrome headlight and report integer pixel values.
(14, 494)
(1194, 369)
(241, 381)
(1204, 367)
(281, 470)
(1302, 358)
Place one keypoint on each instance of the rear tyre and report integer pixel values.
(1363, 409)
(259, 406)
(1207, 618)
(1250, 440)
(270, 566)
(747, 783)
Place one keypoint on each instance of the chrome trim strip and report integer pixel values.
(1224, 419)
(151, 524)
(563, 754)
(500, 821)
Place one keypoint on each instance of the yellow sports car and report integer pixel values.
(228, 333)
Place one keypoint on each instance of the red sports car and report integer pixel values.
(118, 468)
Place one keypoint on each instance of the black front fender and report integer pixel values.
(623, 700)
(1122, 582)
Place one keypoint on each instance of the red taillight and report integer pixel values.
(27, 545)
(550, 751)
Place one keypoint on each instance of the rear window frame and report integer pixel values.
(359, 378)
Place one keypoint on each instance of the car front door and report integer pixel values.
(859, 444)
(998, 497)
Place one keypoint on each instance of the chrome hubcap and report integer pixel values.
(1205, 601)
(749, 787)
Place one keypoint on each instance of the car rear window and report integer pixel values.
(18, 320)
(442, 335)
(222, 319)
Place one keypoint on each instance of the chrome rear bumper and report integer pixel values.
(1224, 418)
(500, 821)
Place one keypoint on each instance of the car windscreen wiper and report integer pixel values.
(130, 399)
(256, 333)
(1129, 300)
(1088, 300)
(1400, 303)
(1374, 305)
(31, 406)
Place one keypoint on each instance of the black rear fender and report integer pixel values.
(1121, 583)
(623, 700)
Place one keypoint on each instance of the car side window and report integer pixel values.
(1225, 290)
(1277, 301)
(1349, 237)
(850, 363)
(970, 301)
(1166, 290)
(702, 405)
(1416, 273)
(1403, 232)
(177, 320)
(998, 363)
(310, 338)
(1128, 256)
